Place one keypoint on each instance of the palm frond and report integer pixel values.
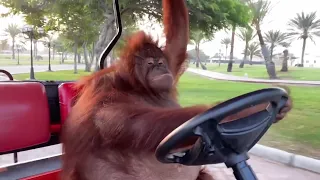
(304, 25)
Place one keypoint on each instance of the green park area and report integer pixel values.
(298, 133)
(260, 71)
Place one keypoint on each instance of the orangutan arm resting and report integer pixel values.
(138, 128)
(176, 30)
(143, 128)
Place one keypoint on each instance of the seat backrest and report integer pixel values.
(66, 95)
(24, 115)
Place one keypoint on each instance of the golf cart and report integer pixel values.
(32, 112)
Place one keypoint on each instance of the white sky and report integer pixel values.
(282, 11)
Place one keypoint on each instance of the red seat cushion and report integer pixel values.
(52, 175)
(66, 96)
(24, 115)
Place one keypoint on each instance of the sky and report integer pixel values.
(282, 11)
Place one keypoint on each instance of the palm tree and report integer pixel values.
(275, 38)
(197, 38)
(229, 69)
(253, 50)
(303, 27)
(226, 41)
(286, 45)
(246, 35)
(13, 30)
(260, 10)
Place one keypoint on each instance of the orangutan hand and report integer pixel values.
(287, 108)
(283, 112)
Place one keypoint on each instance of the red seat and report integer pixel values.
(66, 96)
(52, 175)
(24, 115)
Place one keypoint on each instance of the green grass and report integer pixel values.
(259, 71)
(298, 133)
(5, 60)
(57, 76)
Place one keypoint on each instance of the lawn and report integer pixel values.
(298, 133)
(57, 76)
(259, 71)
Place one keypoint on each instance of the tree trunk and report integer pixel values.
(197, 58)
(303, 49)
(271, 51)
(231, 50)
(197, 63)
(245, 54)
(86, 62)
(87, 55)
(106, 35)
(63, 57)
(13, 53)
(75, 57)
(251, 56)
(53, 52)
(266, 54)
(285, 61)
(79, 58)
(92, 55)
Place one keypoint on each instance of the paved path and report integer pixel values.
(221, 76)
(265, 169)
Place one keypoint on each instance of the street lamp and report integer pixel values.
(19, 48)
(42, 33)
(27, 29)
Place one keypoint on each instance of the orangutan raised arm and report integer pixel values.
(176, 30)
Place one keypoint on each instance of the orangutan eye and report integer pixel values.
(150, 61)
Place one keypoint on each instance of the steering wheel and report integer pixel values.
(228, 142)
(7, 74)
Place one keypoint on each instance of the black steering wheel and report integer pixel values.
(7, 74)
(228, 142)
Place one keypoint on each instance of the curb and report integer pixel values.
(287, 158)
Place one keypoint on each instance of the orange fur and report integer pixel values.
(114, 115)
